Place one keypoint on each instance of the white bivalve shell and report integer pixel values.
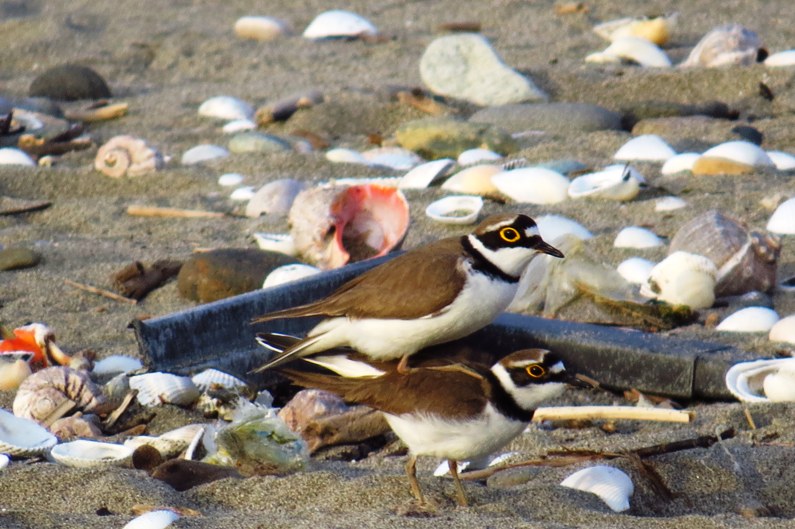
(612, 485)
(633, 49)
(680, 162)
(261, 28)
(153, 520)
(338, 23)
(4, 461)
(14, 156)
(396, 158)
(749, 319)
(127, 156)
(276, 242)
(203, 153)
(274, 198)
(288, 273)
(425, 174)
(783, 161)
(227, 108)
(214, 377)
(647, 147)
(230, 179)
(636, 270)
(776, 378)
(740, 151)
(615, 182)
(532, 185)
(669, 204)
(637, 237)
(22, 437)
(725, 45)
(683, 279)
(783, 219)
(552, 227)
(473, 156)
(457, 209)
(155, 389)
(85, 454)
(781, 58)
(783, 330)
(115, 364)
(474, 180)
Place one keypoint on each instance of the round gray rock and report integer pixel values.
(465, 66)
(550, 117)
(257, 142)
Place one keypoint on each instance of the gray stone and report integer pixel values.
(550, 117)
(15, 258)
(434, 138)
(70, 82)
(258, 142)
(465, 66)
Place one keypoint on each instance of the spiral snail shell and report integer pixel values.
(127, 156)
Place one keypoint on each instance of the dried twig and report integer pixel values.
(565, 413)
(155, 211)
(100, 292)
(100, 111)
(119, 411)
(62, 409)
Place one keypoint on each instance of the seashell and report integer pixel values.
(682, 279)
(227, 108)
(456, 209)
(745, 260)
(238, 125)
(127, 156)
(86, 454)
(14, 369)
(615, 182)
(169, 444)
(20, 437)
(749, 319)
(338, 23)
(341, 155)
(781, 58)
(637, 237)
(425, 174)
(635, 269)
(656, 30)
(706, 165)
(783, 330)
(260, 28)
(612, 485)
(230, 179)
(646, 147)
(42, 392)
(283, 109)
(14, 156)
(288, 273)
(4, 461)
(680, 162)
(214, 377)
(396, 158)
(532, 185)
(276, 242)
(153, 520)
(76, 426)
(783, 161)
(554, 226)
(634, 49)
(203, 153)
(155, 389)
(776, 378)
(475, 180)
(669, 204)
(114, 364)
(380, 181)
(782, 220)
(473, 156)
(242, 194)
(274, 198)
(725, 45)
(740, 151)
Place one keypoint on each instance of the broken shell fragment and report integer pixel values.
(338, 23)
(14, 156)
(283, 109)
(288, 273)
(749, 319)
(656, 30)
(396, 158)
(634, 49)
(781, 58)
(635, 269)
(615, 182)
(683, 279)
(474, 180)
(669, 204)
(731, 44)
(679, 163)
(155, 389)
(783, 219)
(774, 377)
(261, 28)
(274, 198)
(227, 108)
(457, 209)
(85, 454)
(425, 174)
(783, 330)
(532, 185)
(612, 485)
(783, 161)
(637, 237)
(45, 391)
(153, 520)
(22, 437)
(127, 156)
(276, 242)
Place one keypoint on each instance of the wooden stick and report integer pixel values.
(631, 413)
(62, 409)
(100, 292)
(119, 411)
(155, 211)
(94, 113)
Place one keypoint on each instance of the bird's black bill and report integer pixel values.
(548, 249)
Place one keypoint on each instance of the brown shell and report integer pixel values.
(746, 261)
(44, 391)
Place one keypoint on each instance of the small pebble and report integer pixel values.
(16, 258)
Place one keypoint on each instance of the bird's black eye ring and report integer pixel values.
(510, 234)
(536, 371)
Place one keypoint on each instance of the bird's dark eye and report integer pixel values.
(536, 370)
(510, 234)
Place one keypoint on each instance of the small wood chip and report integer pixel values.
(100, 111)
(155, 211)
(100, 292)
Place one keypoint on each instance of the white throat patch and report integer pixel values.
(512, 261)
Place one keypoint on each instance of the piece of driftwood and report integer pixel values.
(632, 413)
(136, 280)
(138, 210)
(102, 110)
(71, 139)
(100, 292)
(110, 421)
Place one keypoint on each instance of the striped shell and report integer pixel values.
(127, 156)
(155, 389)
(214, 377)
(86, 454)
(44, 391)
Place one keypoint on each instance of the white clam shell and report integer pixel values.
(670, 203)
(635, 269)
(288, 273)
(615, 182)
(474, 180)
(343, 155)
(552, 227)
(153, 520)
(783, 161)
(396, 158)
(749, 319)
(612, 485)
(170, 443)
(238, 125)
(84, 454)
(115, 364)
(656, 29)
(747, 380)
(647, 147)
(260, 28)
(23, 437)
(679, 163)
(276, 242)
(740, 151)
(14, 156)
(783, 330)
(4, 461)
(339, 23)
(243, 194)
(227, 108)
(637, 237)
(457, 209)
(683, 279)
(203, 153)
(164, 388)
(636, 50)
(532, 185)
(473, 156)
(210, 377)
(781, 58)
(230, 179)
(782, 221)
(425, 174)
(274, 198)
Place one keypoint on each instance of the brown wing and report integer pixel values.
(384, 292)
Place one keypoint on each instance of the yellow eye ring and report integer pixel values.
(510, 234)
(536, 371)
